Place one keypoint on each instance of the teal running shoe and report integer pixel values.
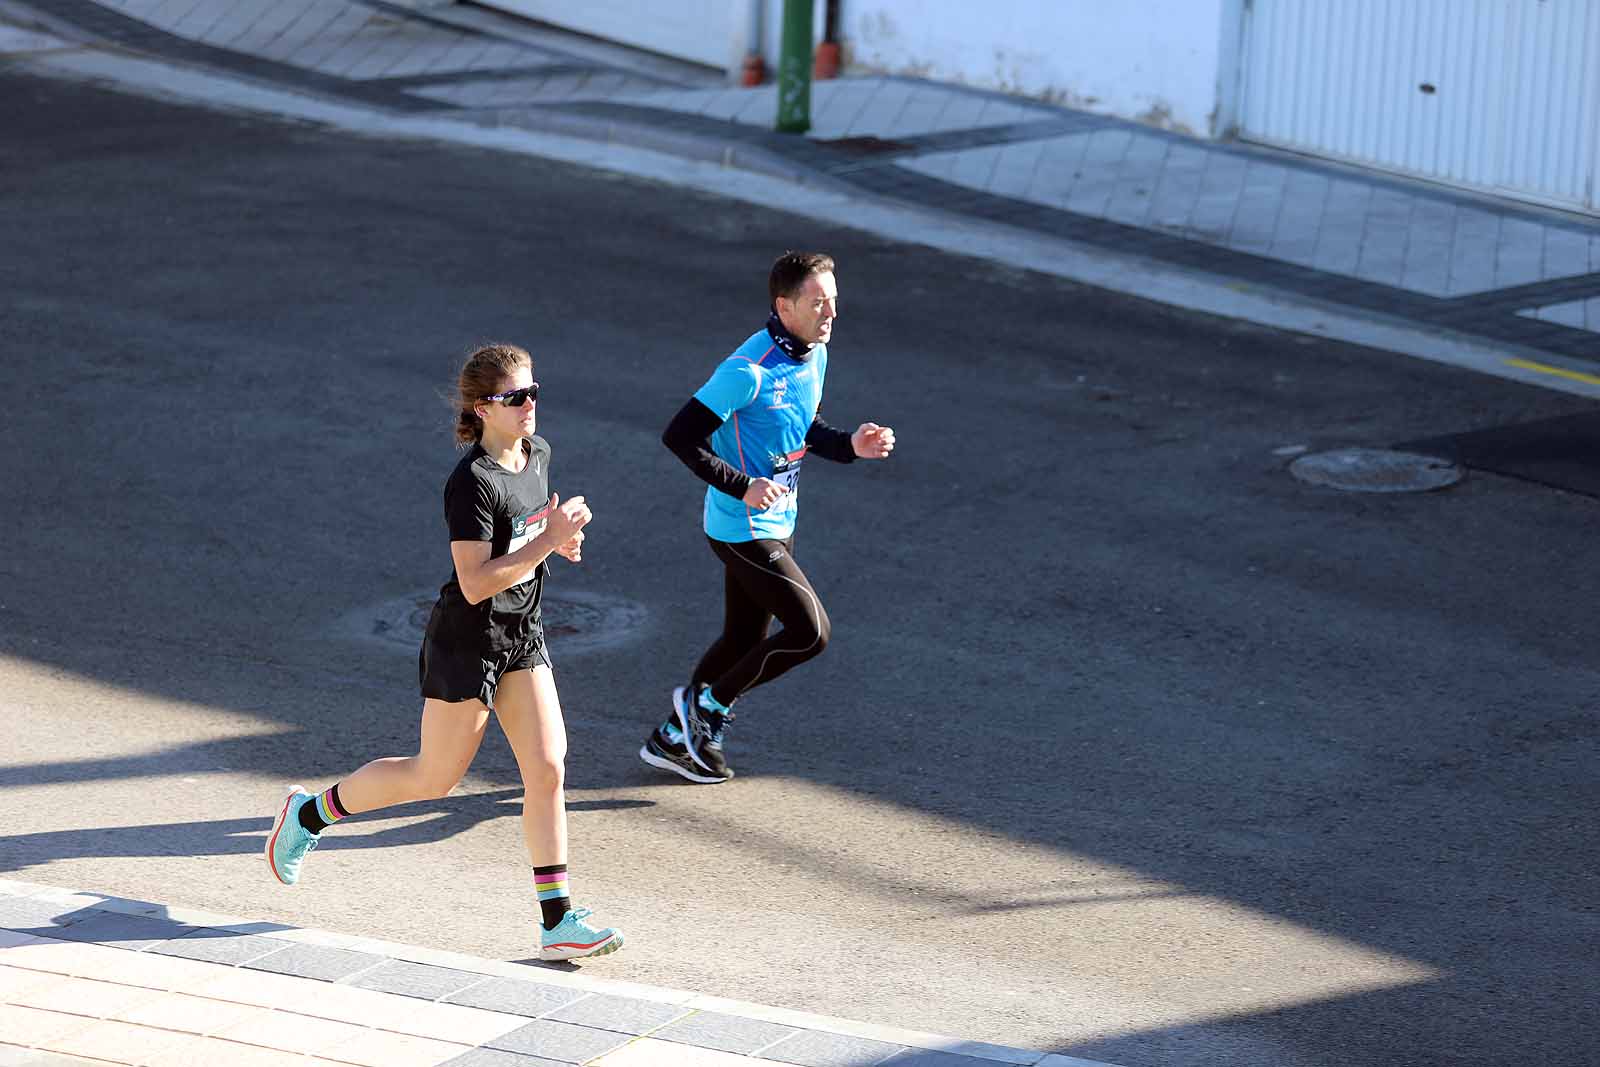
(573, 937)
(289, 842)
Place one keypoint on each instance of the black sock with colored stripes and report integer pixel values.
(554, 901)
(322, 811)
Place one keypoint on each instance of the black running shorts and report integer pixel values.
(453, 674)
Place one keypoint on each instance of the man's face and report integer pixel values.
(809, 316)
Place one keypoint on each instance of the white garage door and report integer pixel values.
(700, 31)
(1499, 95)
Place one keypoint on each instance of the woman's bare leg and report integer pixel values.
(451, 734)
(530, 714)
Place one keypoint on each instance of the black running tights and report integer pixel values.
(761, 582)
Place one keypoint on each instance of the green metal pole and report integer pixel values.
(794, 68)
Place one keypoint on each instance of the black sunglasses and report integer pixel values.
(515, 398)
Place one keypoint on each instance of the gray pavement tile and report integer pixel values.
(230, 21)
(726, 1033)
(279, 18)
(315, 961)
(1015, 167)
(924, 112)
(1137, 178)
(414, 979)
(460, 54)
(625, 1015)
(513, 996)
(319, 34)
(124, 931)
(1565, 253)
(166, 14)
(1562, 314)
(882, 104)
(219, 946)
(728, 104)
(368, 40)
(200, 21)
(316, 31)
(28, 913)
(844, 103)
(396, 49)
(813, 1048)
(489, 1057)
(559, 1041)
(967, 111)
(921, 1057)
(974, 169)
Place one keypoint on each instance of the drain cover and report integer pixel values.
(1375, 470)
(573, 622)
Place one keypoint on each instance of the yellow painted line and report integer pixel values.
(1560, 372)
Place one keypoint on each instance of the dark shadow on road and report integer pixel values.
(227, 837)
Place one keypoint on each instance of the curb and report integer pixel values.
(147, 924)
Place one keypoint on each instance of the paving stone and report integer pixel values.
(315, 961)
(414, 979)
(28, 913)
(124, 931)
(876, 118)
(627, 1015)
(219, 946)
(559, 1041)
(920, 1057)
(513, 996)
(726, 1033)
(814, 1048)
(491, 1057)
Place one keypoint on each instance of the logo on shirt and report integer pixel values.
(527, 526)
(780, 394)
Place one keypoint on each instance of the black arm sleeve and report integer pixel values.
(688, 436)
(830, 442)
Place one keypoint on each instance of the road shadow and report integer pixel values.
(436, 820)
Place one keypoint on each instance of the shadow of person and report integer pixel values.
(440, 820)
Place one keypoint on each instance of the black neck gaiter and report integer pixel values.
(792, 346)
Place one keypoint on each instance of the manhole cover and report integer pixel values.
(1375, 470)
(573, 622)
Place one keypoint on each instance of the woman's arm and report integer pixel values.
(481, 577)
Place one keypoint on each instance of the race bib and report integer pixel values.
(786, 470)
(527, 527)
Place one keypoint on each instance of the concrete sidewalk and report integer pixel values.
(87, 979)
(1243, 232)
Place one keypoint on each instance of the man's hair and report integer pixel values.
(792, 269)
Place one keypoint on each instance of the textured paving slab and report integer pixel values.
(90, 975)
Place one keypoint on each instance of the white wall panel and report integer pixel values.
(701, 31)
(1495, 94)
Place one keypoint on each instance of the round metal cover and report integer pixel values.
(573, 621)
(1375, 470)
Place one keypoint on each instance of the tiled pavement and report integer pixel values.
(94, 980)
(1459, 264)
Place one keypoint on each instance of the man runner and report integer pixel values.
(745, 433)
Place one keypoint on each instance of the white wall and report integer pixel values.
(1172, 63)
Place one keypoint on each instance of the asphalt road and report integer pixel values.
(1128, 745)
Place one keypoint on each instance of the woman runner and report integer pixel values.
(484, 650)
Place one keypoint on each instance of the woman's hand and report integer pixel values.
(565, 519)
(573, 549)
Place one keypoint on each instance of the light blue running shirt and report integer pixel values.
(766, 402)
